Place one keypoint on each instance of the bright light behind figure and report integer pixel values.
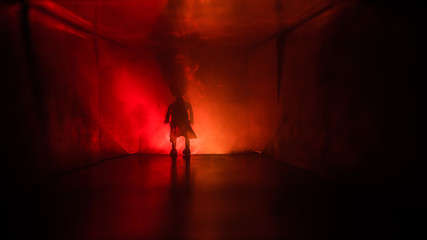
(142, 61)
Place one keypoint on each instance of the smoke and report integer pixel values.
(233, 107)
(116, 92)
(233, 98)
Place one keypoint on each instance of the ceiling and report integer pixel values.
(142, 22)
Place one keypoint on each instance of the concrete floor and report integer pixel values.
(206, 197)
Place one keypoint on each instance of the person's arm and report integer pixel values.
(168, 113)
(191, 114)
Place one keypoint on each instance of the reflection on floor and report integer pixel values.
(205, 197)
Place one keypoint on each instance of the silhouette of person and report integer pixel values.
(180, 118)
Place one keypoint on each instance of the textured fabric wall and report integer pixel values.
(352, 104)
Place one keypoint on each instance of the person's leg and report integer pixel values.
(173, 141)
(187, 143)
(173, 150)
(187, 146)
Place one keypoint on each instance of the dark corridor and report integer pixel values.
(244, 196)
(310, 118)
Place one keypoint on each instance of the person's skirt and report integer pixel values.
(185, 130)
